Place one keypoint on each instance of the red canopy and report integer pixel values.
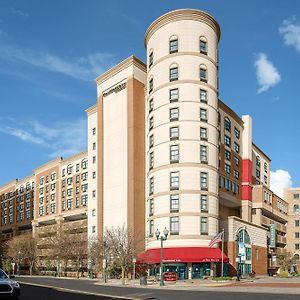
(182, 255)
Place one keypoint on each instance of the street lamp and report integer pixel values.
(162, 239)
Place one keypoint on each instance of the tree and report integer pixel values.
(122, 247)
(2, 249)
(286, 260)
(23, 248)
(96, 254)
(79, 251)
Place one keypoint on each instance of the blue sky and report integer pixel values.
(50, 52)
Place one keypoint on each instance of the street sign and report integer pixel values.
(272, 243)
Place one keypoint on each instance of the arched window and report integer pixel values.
(173, 44)
(203, 73)
(296, 208)
(243, 253)
(227, 124)
(173, 72)
(243, 237)
(203, 45)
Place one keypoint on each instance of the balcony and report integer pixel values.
(279, 227)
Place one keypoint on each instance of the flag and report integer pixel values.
(216, 239)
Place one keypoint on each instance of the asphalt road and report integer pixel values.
(42, 293)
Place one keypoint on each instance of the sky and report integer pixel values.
(52, 51)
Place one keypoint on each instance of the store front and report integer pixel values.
(188, 262)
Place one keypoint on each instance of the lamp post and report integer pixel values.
(162, 238)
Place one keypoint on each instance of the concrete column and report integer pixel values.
(34, 224)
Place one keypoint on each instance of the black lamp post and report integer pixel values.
(162, 238)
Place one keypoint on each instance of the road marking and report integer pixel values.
(78, 292)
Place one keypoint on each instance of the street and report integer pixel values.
(71, 289)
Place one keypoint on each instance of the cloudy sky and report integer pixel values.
(50, 53)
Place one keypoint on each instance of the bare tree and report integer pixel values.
(79, 251)
(96, 254)
(121, 248)
(23, 249)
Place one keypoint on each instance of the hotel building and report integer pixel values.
(165, 152)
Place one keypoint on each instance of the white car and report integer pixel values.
(8, 286)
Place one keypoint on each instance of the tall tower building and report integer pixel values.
(182, 130)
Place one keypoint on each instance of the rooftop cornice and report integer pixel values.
(182, 14)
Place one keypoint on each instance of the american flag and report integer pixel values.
(216, 239)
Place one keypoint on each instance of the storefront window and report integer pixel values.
(243, 252)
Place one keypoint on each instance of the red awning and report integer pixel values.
(182, 255)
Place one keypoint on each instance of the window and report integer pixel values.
(94, 175)
(265, 179)
(69, 169)
(174, 203)
(151, 123)
(84, 164)
(227, 124)
(151, 228)
(203, 134)
(203, 115)
(150, 85)
(69, 203)
(77, 167)
(257, 161)
(174, 95)
(236, 160)
(94, 193)
(77, 178)
(203, 203)
(227, 140)
(227, 154)
(173, 74)
(151, 160)
(174, 180)
(174, 114)
(151, 185)
(52, 208)
(150, 59)
(41, 183)
(204, 226)
(236, 174)
(174, 153)
(84, 187)
(173, 46)
(53, 176)
(296, 246)
(174, 225)
(203, 154)
(203, 95)
(93, 229)
(236, 147)
(203, 181)
(296, 196)
(69, 181)
(69, 192)
(151, 141)
(93, 212)
(151, 104)
(203, 45)
(174, 133)
(94, 131)
(151, 207)
(258, 173)
(236, 133)
(94, 146)
(94, 159)
(203, 73)
(227, 168)
(266, 167)
(84, 200)
(297, 223)
(296, 208)
(297, 235)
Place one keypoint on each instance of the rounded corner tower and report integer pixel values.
(182, 135)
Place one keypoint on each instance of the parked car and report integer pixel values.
(8, 286)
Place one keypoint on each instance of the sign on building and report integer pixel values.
(272, 243)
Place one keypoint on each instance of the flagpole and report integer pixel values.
(222, 266)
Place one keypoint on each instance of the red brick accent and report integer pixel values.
(247, 178)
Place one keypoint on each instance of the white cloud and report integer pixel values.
(291, 33)
(60, 139)
(266, 73)
(19, 13)
(280, 179)
(84, 68)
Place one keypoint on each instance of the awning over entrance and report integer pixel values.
(182, 255)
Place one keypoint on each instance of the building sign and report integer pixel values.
(242, 251)
(170, 276)
(115, 89)
(272, 243)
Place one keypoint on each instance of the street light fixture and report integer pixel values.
(162, 238)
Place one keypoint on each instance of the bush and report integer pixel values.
(284, 274)
(222, 278)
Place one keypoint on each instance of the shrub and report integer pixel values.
(284, 274)
(222, 278)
